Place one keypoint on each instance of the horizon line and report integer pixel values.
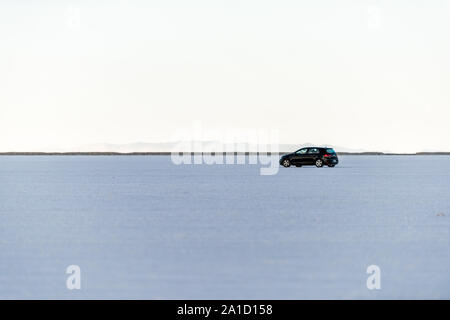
(155, 153)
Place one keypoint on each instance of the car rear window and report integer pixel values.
(330, 150)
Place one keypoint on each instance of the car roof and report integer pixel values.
(320, 148)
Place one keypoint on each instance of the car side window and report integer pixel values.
(302, 151)
(313, 151)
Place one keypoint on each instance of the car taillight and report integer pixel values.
(327, 155)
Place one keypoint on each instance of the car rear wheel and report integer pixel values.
(286, 163)
(319, 163)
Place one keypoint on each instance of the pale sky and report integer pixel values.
(372, 75)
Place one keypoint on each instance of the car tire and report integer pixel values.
(286, 163)
(319, 163)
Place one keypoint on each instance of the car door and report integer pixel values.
(299, 156)
(312, 155)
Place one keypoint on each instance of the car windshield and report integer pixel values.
(301, 151)
(330, 150)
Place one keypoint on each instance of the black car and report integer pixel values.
(310, 156)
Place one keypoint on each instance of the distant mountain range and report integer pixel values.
(194, 146)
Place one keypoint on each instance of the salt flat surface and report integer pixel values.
(141, 227)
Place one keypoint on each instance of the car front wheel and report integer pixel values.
(286, 163)
(319, 163)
